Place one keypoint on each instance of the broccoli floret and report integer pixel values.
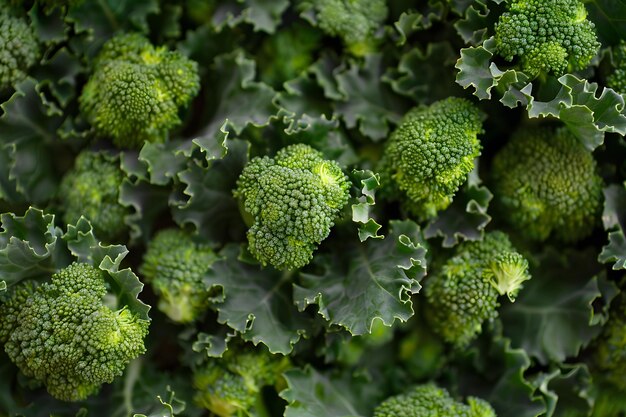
(617, 79)
(91, 189)
(551, 36)
(428, 157)
(174, 264)
(545, 183)
(291, 202)
(354, 21)
(431, 401)
(610, 348)
(136, 89)
(18, 47)
(464, 292)
(65, 335)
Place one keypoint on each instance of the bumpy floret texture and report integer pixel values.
(549, 36)
(135, 92)
(428, 157)
(617, 79)
(463, 293)
(62, 333)
(610, 352)
(546, 183)
(291, 201)
(91, 189)
(431, 401)
(174, 264)
(354, 21)
(18, 47)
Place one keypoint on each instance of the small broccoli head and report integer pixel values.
(91, 189)
(291, 201)
(174, 264)
(429, 156)
(64, 335)
(135, 92)
(610, 347)
(548, 36)
(463, 293)
(545, 183)
(617, 79)
(18, 47)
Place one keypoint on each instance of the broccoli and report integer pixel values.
(430, 400)
(545, 183)
(428, 157)
(65, 334)
(18, 47)
(617, 79)
(610, 348)
(551, 36)
(91, 189)
(174, 265)
(464, 292)
(136, 89)
(290, 203)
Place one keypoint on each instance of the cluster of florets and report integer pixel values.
(18, 47)
(617, 79)
(549, 36)
(429, 156)
(65, 336)
(291, 202)
(546, 183)
(136, 90)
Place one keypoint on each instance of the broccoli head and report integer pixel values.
(65, 334)
(174, 264)
(545, 182)
(617, 79)
(549, 36)
(291, 202)
(18, 47)
(431, 401)
(135, 92)
(428, 157)
(91, 189)
(464, 292)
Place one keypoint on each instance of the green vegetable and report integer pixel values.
(18, 47)
(617, 78)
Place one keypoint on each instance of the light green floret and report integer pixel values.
(617, 79)
(551, 36)
(290, 202)
(92, 189)
(464, 292)
(65, 335)
(546, 184)
(18, 47)
(431, 401)
(428, 157)
(174, 265)
(135, 92)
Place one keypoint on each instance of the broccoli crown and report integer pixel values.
(617, 79)
(91, 189)
(428, 157)
(292, 201)
(354, 21)
(65, 336)
(463, 293)
(431, 401)
(18, 47)
(546, 183)
(175, 266)
(136, 89)
(549, 36)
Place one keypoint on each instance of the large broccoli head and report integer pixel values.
(65, 335)
(135, 92)
(18, 47)
(174, 264)
(464, 292)
(291, 202)
(617, 79)
(429, 156)
(549, 36)
(545, 183)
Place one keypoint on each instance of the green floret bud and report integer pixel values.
(64, 335)
(548, 36)
(136, 90)
(18, 47)
(174, 265)
(91, 189)
(292, 201)
(546, 184)
(464, 292)
(617, 79)
(428, 157)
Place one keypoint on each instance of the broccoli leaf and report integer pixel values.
(361, 208)
(566, 390)
(614, 218)
(263, 15)
(608, 16)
